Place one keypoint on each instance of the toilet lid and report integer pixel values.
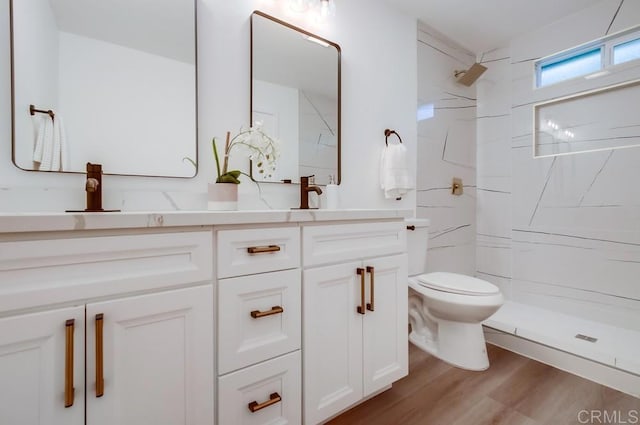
(457, 284)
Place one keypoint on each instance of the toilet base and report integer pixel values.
(459, 344)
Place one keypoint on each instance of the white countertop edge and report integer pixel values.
(54, 221)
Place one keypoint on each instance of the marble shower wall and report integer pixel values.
(563, 232)
(446, 149)
(493, 243)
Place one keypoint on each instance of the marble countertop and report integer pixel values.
(49, 222)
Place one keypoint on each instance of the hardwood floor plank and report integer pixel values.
(491, 412)
(515, 390)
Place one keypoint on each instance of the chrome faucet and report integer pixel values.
(304, 191)
(93, 187)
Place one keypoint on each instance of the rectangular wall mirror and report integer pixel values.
(120, 79)
(295, 93)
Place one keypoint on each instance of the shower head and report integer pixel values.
(470, 76)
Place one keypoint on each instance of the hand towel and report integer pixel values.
(50, 150)
(60, 151)
(395, 180)
(43, 149)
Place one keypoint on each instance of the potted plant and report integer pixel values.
(261, 149)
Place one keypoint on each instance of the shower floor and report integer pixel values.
(613, 346)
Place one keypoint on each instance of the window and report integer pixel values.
(589, 58)
(576, 65)
(425, 111)
(626, 52)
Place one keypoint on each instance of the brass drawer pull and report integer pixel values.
(99, 356)
(274, 398)
(361, 307)
(276, 309)
(69, 391)
(263, 249)
(371, 270)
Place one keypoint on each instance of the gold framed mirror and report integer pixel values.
(119, 79)
(296, 95)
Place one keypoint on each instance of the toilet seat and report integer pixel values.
(457, 284)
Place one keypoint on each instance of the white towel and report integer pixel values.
(60, 152)
(395, 180)
(50, 150)
(43, 149)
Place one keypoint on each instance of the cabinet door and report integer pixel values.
(385, 342)
(38, 352)
(332, 340)
(157, 359)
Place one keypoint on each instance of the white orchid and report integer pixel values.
(262, 149)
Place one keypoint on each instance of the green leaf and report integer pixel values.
(215, 155)
(230, 177)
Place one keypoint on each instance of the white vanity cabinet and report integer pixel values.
(258, 325)
(355, 314)
(199, 318)
(138, 350)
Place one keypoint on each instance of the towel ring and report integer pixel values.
(388, 133)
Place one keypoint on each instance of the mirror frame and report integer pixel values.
(13, 106)
(310, 34)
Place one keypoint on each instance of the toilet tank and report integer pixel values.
(417, 240)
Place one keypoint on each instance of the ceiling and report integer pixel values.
(481, 25)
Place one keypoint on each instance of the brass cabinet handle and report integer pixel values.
(276, 309)
(361, 307)
(69, 391)
(99, 356)
(274, 398)
(263, 249)
(371, 270)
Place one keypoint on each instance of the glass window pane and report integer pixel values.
(574, 66)
(425, 111)
(626, 51)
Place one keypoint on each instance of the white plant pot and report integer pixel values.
(222, 197)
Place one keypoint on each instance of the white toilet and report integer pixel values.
(446, 309)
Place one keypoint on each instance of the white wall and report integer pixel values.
(446, 149)
(379, 84)
(561, 233)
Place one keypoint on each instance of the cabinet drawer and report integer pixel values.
(44, 272)
(277, 381)
(249, 251)
(345, 242)
(274, 300)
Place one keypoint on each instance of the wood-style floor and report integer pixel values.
(515, 390)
